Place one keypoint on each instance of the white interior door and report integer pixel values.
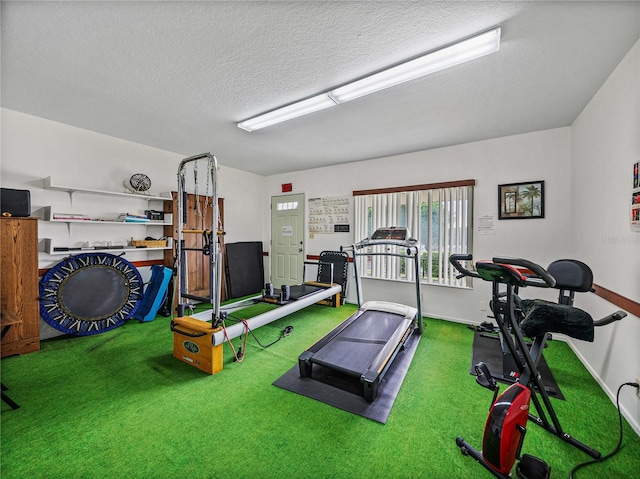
(287, 239)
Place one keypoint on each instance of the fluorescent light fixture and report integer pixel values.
(446, 57)
(455, 54)
(304, 107)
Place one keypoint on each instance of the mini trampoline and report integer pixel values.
(90, 293)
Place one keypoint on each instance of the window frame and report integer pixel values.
(459, 208)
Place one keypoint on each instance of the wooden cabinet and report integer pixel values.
(19, 284)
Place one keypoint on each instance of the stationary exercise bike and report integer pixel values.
(505, 427)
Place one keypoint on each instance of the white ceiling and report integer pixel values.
(180, 75)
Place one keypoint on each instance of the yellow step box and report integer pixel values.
(193, 344)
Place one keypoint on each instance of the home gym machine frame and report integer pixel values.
(199, 338)
(212, 245)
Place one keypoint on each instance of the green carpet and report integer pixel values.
(119, 405)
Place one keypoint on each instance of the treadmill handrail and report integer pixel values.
(384, 356)
(410, 243)
(412, 252)
(408, 312)
(387, 253)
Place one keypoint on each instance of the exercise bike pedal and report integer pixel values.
(531, 467)
(484, 377)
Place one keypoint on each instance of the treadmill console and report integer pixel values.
(393, 235)
(397, 233)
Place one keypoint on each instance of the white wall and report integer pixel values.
(605, 145)
(543, 155)
(34, 148)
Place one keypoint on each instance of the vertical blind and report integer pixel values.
(439, 216)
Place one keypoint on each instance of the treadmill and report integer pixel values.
(366, 344)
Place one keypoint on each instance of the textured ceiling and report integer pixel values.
(180, 75)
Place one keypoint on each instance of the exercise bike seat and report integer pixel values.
(543, 317)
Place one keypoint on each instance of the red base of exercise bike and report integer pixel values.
(505, 428)
(503, 436)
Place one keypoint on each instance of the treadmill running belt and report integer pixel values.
(356, 347)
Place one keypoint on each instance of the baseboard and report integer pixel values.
(611, 394)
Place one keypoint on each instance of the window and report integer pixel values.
(439, 216)
(291, 205)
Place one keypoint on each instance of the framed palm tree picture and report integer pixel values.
(521, 200)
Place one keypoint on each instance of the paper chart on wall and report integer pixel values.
(487, 225)
(635, 200)
(329, 214)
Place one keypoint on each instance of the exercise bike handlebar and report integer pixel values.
(455, 259)
(541, 278)
(617, 316)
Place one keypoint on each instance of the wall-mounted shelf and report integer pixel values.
(48, 215)
(62, 249)
(49, 184)
(49, 248)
